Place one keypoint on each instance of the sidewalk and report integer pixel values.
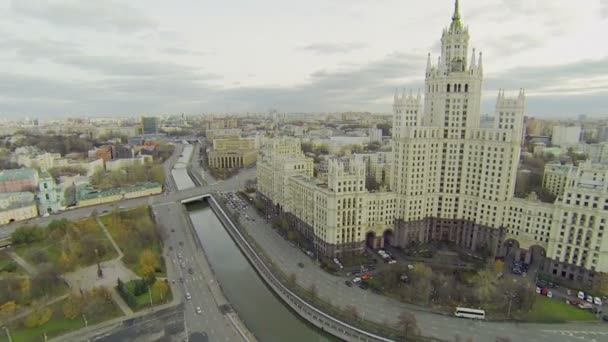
(114, 244)
(121, 303)
(24, 264)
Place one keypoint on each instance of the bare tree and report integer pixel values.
(352, 312)
(313, 291)
(292, 279)
(407, 323)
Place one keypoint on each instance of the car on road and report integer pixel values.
(348, 283)
(357, 280)
(597, 301)
(363, 286)
(188, 296)
(182, 265)
(179, 255)
(198, 310)
(172, 230)
(190, 271)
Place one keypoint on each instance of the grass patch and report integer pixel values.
(58, 325)
(135, 231)
(78, 240)
(547, 310)
(8, 265)
(142, 300)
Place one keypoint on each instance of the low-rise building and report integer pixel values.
(18, 180)
(17, 206)
(87, 196)
(118, 164)
(225, 133)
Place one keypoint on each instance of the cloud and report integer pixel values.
(92, 15)
(604, 9)
(332, 48)
(540, 77)
(513, 44)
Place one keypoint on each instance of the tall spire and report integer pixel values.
(473, 64)
(456, 15)
(456, 23)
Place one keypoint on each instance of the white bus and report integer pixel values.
(470, 313)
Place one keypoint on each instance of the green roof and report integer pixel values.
(8, 175)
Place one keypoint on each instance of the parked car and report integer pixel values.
(581, 295)
(348, 283)
(363, 286)
(198, 310)
(597, 301)
(589, 299)
(188, 296)
(357, 280)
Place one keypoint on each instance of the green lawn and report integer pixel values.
(58, 325)
(133, 230)
(50, 249)
(5, 261)
(143, 300)
(547, 310)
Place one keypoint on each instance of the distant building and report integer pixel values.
(375, 135)
(602, 134)
(149, 125)
(118, 164)
(18, 180)
(232, 153)
(122, 151)
(17, 206)
(223, 133)
(597, 153)
(566, 136)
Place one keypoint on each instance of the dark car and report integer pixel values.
(363, 286)
(348, 283)
(605, 318)
(190, 271)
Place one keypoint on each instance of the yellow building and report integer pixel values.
(87, 196)
(232, 153)
(17, 206)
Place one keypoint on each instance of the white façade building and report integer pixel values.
(452, 180)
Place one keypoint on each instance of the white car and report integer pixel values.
(538, 290)
(597, 301)
(188, 296)
(589, 299)
(581, 295)
(356, 280)
(198, 310)
(549, 294)
(392, 261)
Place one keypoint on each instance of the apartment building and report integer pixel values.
(452, 180)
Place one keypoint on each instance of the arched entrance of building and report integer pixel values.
(387, 238)
(11, 220)
(370, 239)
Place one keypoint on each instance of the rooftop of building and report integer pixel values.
(87, 192)
(17, 174)
(12, 200)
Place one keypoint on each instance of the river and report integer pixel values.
(263, 312)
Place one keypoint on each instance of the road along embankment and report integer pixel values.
(308, 312)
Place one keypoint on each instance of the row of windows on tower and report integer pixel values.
(450, 88)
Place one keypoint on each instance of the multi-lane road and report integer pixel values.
(198, 282)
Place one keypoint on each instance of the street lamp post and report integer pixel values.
(8, 334)
(150, 294)
(86, 323)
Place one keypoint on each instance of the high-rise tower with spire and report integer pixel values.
(453, 179)
(453, 85)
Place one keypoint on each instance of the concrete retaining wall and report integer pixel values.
(316, 317)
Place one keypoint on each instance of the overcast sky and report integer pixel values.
(111, 57)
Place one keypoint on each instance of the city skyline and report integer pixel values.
(131, 59)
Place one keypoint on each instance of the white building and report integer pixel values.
(452, 181)
(597, 153)
(566, 136)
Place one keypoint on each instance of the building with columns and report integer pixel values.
(452, 180)
(232, 153)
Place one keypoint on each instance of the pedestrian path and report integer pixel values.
(23, 263)
(121, 303)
